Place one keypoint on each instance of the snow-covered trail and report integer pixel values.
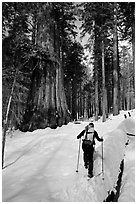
(41, 166)
(46, 162)
(128, 178)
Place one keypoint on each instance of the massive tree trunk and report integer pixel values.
(133, 48)
(96, 80)
(115, 64)
(128, 85)
(85, 105)
(62, 108)
(61, 105)
(133, 53)
(46, 104)
(104, 97)
(74, 101)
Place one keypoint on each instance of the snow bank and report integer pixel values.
(97, 189)
(128, 184)
(127, 191)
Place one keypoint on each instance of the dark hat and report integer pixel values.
(91, 124)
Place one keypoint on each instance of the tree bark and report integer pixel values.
(133, 48)
(115, 64)
(96, 80)
(128, 86)
(103, 85)
(46, 104)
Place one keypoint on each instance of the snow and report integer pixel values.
(128, 175)
(40, 166)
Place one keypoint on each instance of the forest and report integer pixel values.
(50, 78)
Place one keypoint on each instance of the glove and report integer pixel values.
(78, 137)
(86, 128)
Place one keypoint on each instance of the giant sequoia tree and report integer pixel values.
(37, 34)
(46, 105)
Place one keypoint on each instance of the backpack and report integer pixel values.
(88, 142)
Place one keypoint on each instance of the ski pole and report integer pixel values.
(102, 162)
(78, 155)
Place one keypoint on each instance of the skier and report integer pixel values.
(88, 146)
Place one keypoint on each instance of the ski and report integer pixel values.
(129, 134)
(94, 176)
(88, 178)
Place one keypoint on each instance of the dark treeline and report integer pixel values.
(45, 80)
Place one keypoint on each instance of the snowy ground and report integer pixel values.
(41, 166)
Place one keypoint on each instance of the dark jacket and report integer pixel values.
(94, 136)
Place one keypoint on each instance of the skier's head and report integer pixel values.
(91, 127)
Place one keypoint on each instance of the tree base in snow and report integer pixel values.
(41, 120)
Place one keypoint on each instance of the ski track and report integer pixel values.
(47, 161)
(48, 152)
